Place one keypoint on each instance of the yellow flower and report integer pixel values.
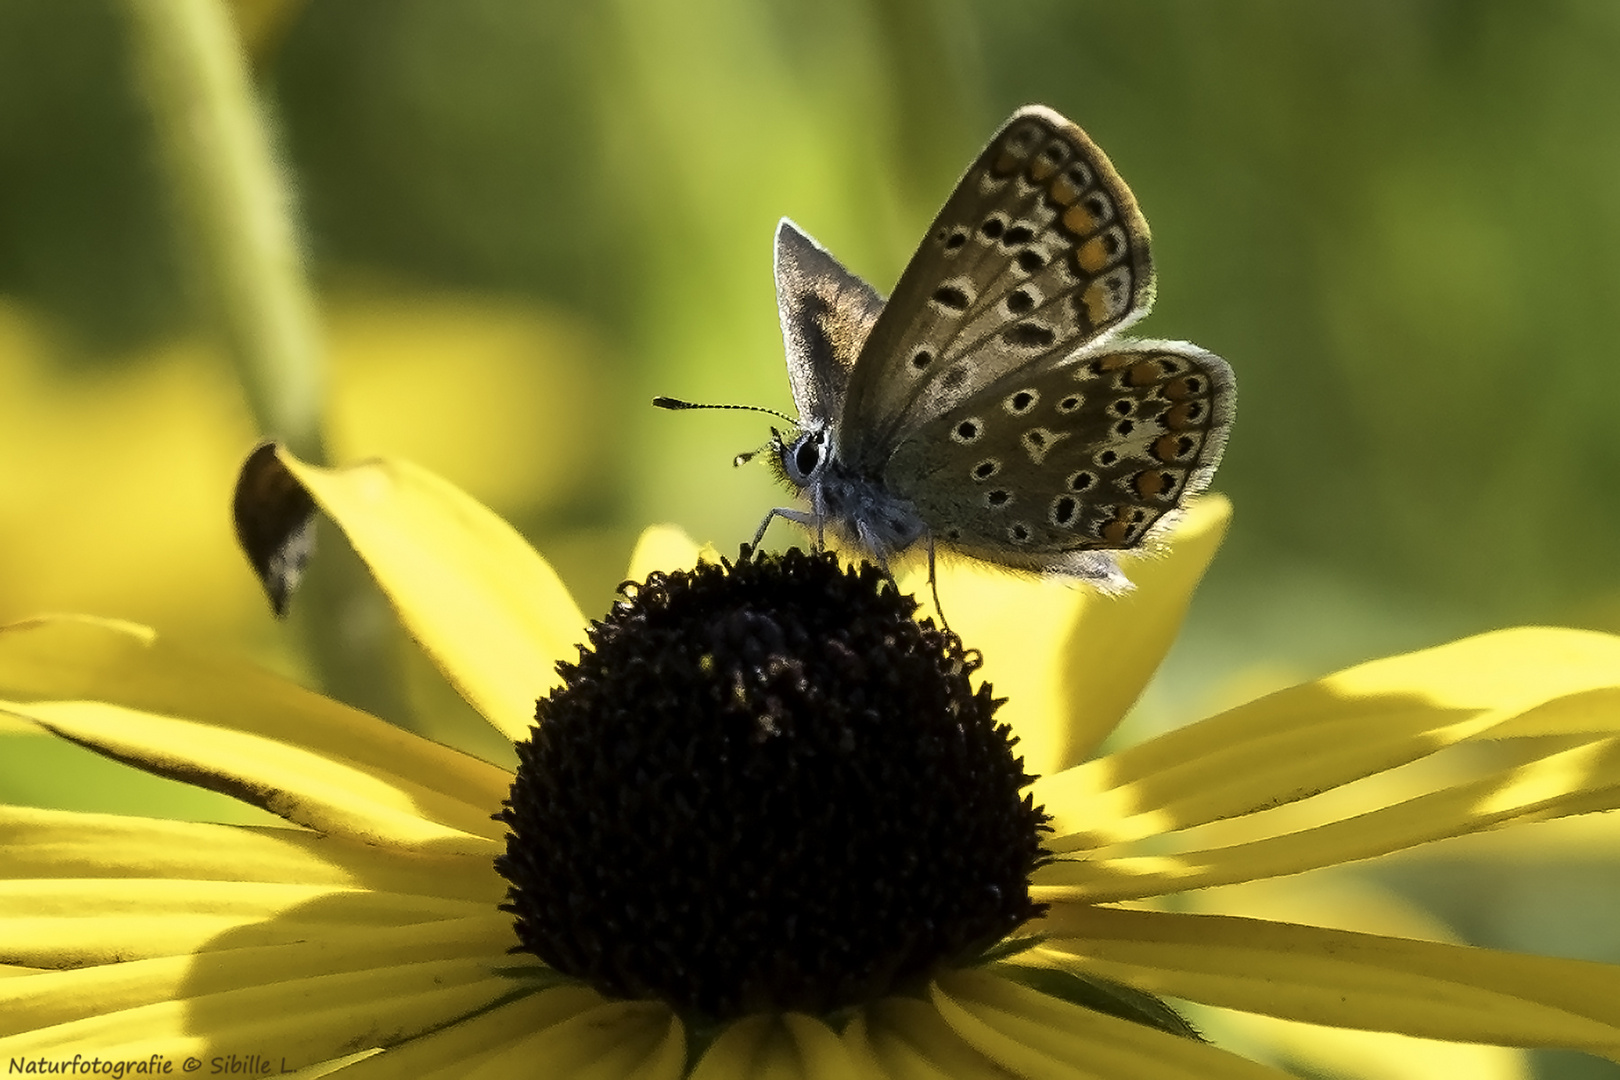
(366, 936)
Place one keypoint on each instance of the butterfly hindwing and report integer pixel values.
(1040, 250)
(1085, 453)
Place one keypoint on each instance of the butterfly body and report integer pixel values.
(990, 405)
(863, 511)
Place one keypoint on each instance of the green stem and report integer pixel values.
(235, 212)
(236, 209)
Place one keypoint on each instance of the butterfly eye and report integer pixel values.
(807, 455)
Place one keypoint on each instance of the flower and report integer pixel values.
(370, 936)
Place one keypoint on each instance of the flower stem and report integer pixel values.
(235, 209)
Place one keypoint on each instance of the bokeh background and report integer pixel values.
(524, 218)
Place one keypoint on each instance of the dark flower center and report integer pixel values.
(766, 786)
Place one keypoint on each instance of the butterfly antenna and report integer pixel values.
(749, 455)
(677, 405)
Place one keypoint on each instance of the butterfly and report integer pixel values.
(990, 407)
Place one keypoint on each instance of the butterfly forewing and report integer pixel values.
(826, 313)
(1076, 454)
(1040, 250)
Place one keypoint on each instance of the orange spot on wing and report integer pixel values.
(1092, 256)
(1149, 484)
(1144, 374)
(1182, 415)
(1078, 220)
(1167, 448)
(1006, 162)
(1064, 191)
(1176, 389)
(1099, 306)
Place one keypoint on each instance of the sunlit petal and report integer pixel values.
(1344, 979)
(1309, 738)
(1069, 660)
(1031, 1034)
(661, 547)
(487, 608)
(74, 658)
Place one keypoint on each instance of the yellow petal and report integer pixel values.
(303, 786)
(39, 769)
(735, 1051)
(61, 844)
(1593, 712)
(1033, 1034)
(52, 997)
(778, 1046)
(909, 1040)
(1577, 781)
(667, 1060)
(1313, 737)
(1070, 660)
(1116, 644)
(1314, 1050)
(662, 547)
(69, 922)
(84, 659)
(1350, 902)
(489, 1036)
(288, 1024)
(1342, 979)
(820, 1054)
(489, 610)
(608, 1042)
(1019, 625)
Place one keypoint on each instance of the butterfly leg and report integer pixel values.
(933, 585)
(878, 550)
(799, 517)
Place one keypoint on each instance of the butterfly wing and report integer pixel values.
(1071, 458)
(827, 314)
(1040, 249)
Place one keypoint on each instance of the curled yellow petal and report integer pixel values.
(482, 603)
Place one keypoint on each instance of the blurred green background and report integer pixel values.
(1396, 220)
(524, 218)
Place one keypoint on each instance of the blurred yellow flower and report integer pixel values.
(112, 475)
(363, 936)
